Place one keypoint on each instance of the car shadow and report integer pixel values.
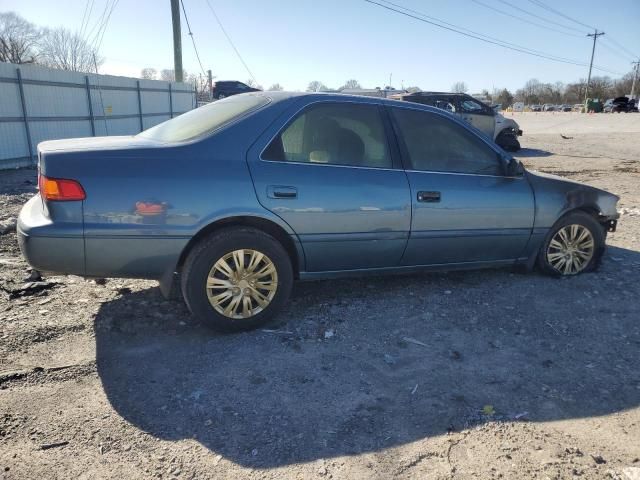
(362, 365)
(532, 153)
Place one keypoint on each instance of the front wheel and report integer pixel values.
(237, 279)
(509, 141)
(574, 245)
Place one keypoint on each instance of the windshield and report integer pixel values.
(204, 119)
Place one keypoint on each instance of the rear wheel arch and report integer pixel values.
(259, 223)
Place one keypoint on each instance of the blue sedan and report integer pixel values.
(232, 202)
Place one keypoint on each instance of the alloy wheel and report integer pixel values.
(242, 283)
(571, 249)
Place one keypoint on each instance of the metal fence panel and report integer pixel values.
(60, 104)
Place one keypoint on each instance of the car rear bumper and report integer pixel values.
(47, 245)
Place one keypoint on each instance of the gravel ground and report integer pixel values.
(487, 374)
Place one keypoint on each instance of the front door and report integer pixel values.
(465, 209)
(477, 114)
(329, 173)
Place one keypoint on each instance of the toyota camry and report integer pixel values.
(233, 201)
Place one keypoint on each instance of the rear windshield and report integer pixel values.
(204, 119)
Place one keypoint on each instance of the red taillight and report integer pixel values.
(60, 189)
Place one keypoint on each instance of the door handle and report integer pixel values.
(277, 191)
(429, 197)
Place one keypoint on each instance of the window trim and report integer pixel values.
(404, 154)
(394, 153)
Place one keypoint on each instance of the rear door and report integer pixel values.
(465, 209)
(327, 170)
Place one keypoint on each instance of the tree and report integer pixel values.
(601, 88)
(504, 98)
(18, 39)
(168, 74)
(64, 50)
(350, 85)
(148, 73)
(316, 86)
(459, 87)
(413, 89)
(623, 86)
(276, 87)
(253, 84)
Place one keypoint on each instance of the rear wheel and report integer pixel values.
(574, 245)
(237, 279)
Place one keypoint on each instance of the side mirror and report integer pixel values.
(513, 167)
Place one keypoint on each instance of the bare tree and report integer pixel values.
(276, 87)
(350, 85)
(18, 39)
(64, 50)
(316, 86)
(167, 74)
(148, 73)
(459, 87)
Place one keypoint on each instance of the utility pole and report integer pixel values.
(177, 40)
(635, 75)
(593, 51)
(210, 83)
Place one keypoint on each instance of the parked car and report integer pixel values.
(623, 105)
(547, 107)
(566, 108)
(536, 108)
(502, 130)
(226, 88)
(235, 200)
(578, 107)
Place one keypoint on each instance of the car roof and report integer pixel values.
(448, 94)
(278, 96)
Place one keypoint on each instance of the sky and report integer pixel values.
(292, 42)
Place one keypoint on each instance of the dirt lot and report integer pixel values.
(488, 374)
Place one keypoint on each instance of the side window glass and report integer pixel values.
(438, 144)
(445, 105)
(336, 134)
(471, 106)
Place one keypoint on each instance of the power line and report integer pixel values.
(86, 17)
(471, 32)
(553, 10)
(541, 18)
(525, 20)
(479, 36)
(231, 42)
(621, 47)
(98, 23)
(191, 35)
(626, 57)
(106, 23)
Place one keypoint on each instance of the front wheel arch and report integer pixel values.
(585, 216)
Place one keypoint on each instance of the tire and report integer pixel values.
(508, 141)
(582, 220)
(221, 96)
(214, 249)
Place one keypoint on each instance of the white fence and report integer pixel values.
(39, 104)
